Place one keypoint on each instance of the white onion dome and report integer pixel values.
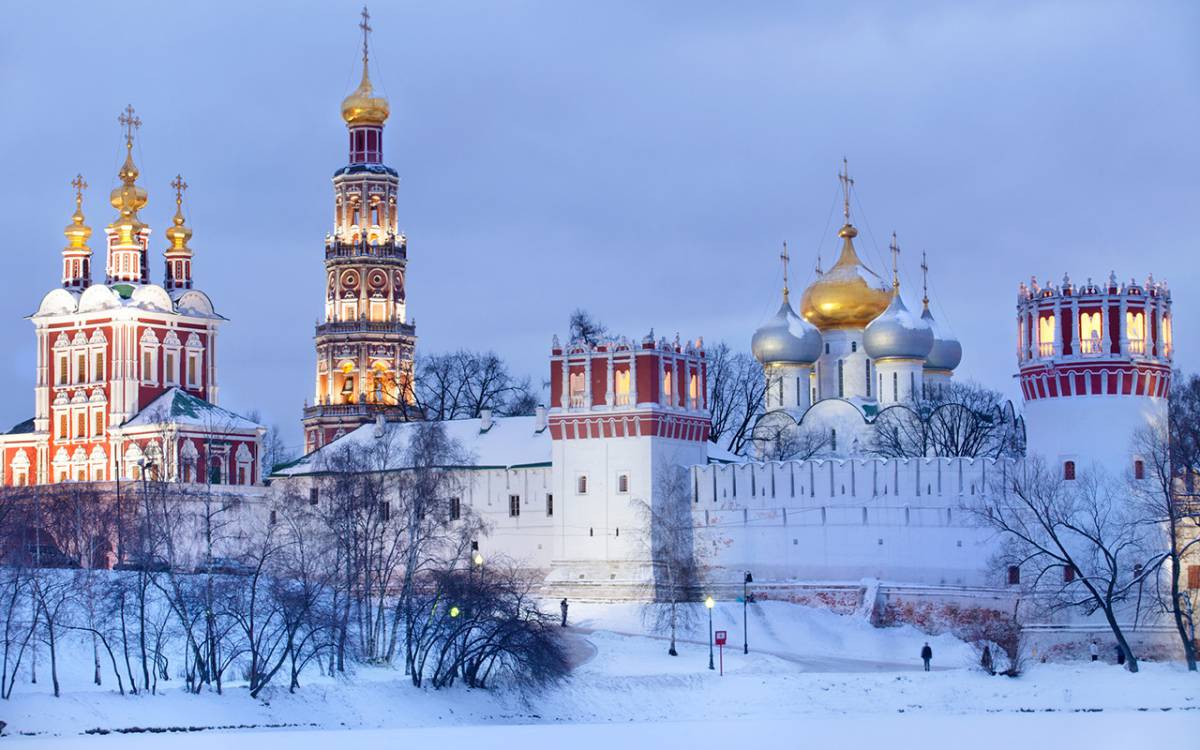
(786, 339)
(946, 352)
(898, 334)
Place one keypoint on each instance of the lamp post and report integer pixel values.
(710, 604)
(745, 603)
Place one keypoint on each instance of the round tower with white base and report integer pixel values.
(1094, 363)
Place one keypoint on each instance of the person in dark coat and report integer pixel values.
(926, 655)
(563, 607)
(986, 661)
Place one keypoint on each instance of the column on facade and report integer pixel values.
(633, 394)
(1105, 325)
(1122, 325)
(608, 378)
(566, 382)
(1058, 327)
(1075, 326)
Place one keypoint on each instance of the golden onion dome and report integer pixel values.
(362, 107)
(77, 232)
(128, 197)
(178, 233)
(849, 295)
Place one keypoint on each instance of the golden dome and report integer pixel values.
(77, 232)
(128, 197)
(178, 233)
(849, 295)
(362, 107)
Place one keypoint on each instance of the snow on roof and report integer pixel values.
(510, 442)
(178, 407)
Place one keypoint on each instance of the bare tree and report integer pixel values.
(1169, 452)
(780, 438)
(736, 386)
(950, 420)
(1075, 544)
(463, 384)
(667, 540)
(582, 326)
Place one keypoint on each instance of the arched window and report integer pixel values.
(621, 386)
(1090, 333)
(667, 385)
(1046, 336)
(1135, 331)
(577, 386)
(1069, 470)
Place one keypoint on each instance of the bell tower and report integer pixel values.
(364, 342)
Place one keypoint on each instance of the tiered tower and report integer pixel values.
(1094, 364)
(365, 343)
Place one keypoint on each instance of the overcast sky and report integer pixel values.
(640, 160)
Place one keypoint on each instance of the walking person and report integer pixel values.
(1094, 650)
(926, 655)
(563, 607)
(986, 661)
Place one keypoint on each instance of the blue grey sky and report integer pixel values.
(640, 160)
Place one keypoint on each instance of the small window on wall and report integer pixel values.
(1139, 469)
(147, 366)
(581, 484)
(622, 483)
(64, 427)
(1069, 471)
(549, 505)
(192, 380)
(1014, 575)
(98, 373)
(514, 505)
(1193, 577)
(1068, 574)
(63, 376)
(99, 424)
(81, 368)
(314, 496)
(81, 425)
(169, 365)
(455, 509)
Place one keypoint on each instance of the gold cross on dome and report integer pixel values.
(365, 25)
(924, 279)
(179, 186)
(785, 258)
(80, 185)
(895, 248)
(130, 121)
(847, 183)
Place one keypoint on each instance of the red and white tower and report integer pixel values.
(365, 342)
(622, 417)
(1094, 365)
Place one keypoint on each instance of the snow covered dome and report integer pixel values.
(946, 352)
(897, 333)
(786, 338)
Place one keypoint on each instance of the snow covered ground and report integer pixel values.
(811, 677)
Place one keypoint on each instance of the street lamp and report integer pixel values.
(710, 604)
(745, 599)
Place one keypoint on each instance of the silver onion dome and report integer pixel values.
(946, 352)
(786, 338)
(898, 334)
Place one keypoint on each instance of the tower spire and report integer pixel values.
(365, 25)
(895, 248)
(179, 255)
(924, 281)
(847, 183)
(77, 256)
(785, 258)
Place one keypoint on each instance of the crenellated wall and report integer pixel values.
(843, 520)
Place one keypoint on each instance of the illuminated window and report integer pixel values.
(1166, 336)
(578, 385)
(1069, 470)
(694, 390)
(667, 385)
(1090, 333)
(1046, 327)
(1135, 331)
(621, 386)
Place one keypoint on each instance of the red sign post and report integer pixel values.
(719, 637)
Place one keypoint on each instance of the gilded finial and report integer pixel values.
(362, 106)
(924, 281)
(785, 258)
(895, 248)
(847, 230)
(128, 197)
(77, 232)
(818, 268)
(365, 25)
(179, 234)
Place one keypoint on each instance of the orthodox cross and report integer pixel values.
(80, 185)
(365, 25)
(895, 248)
(924, 280)
(130, 121)
(179, 186)
(847, 183)
(785, 258)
